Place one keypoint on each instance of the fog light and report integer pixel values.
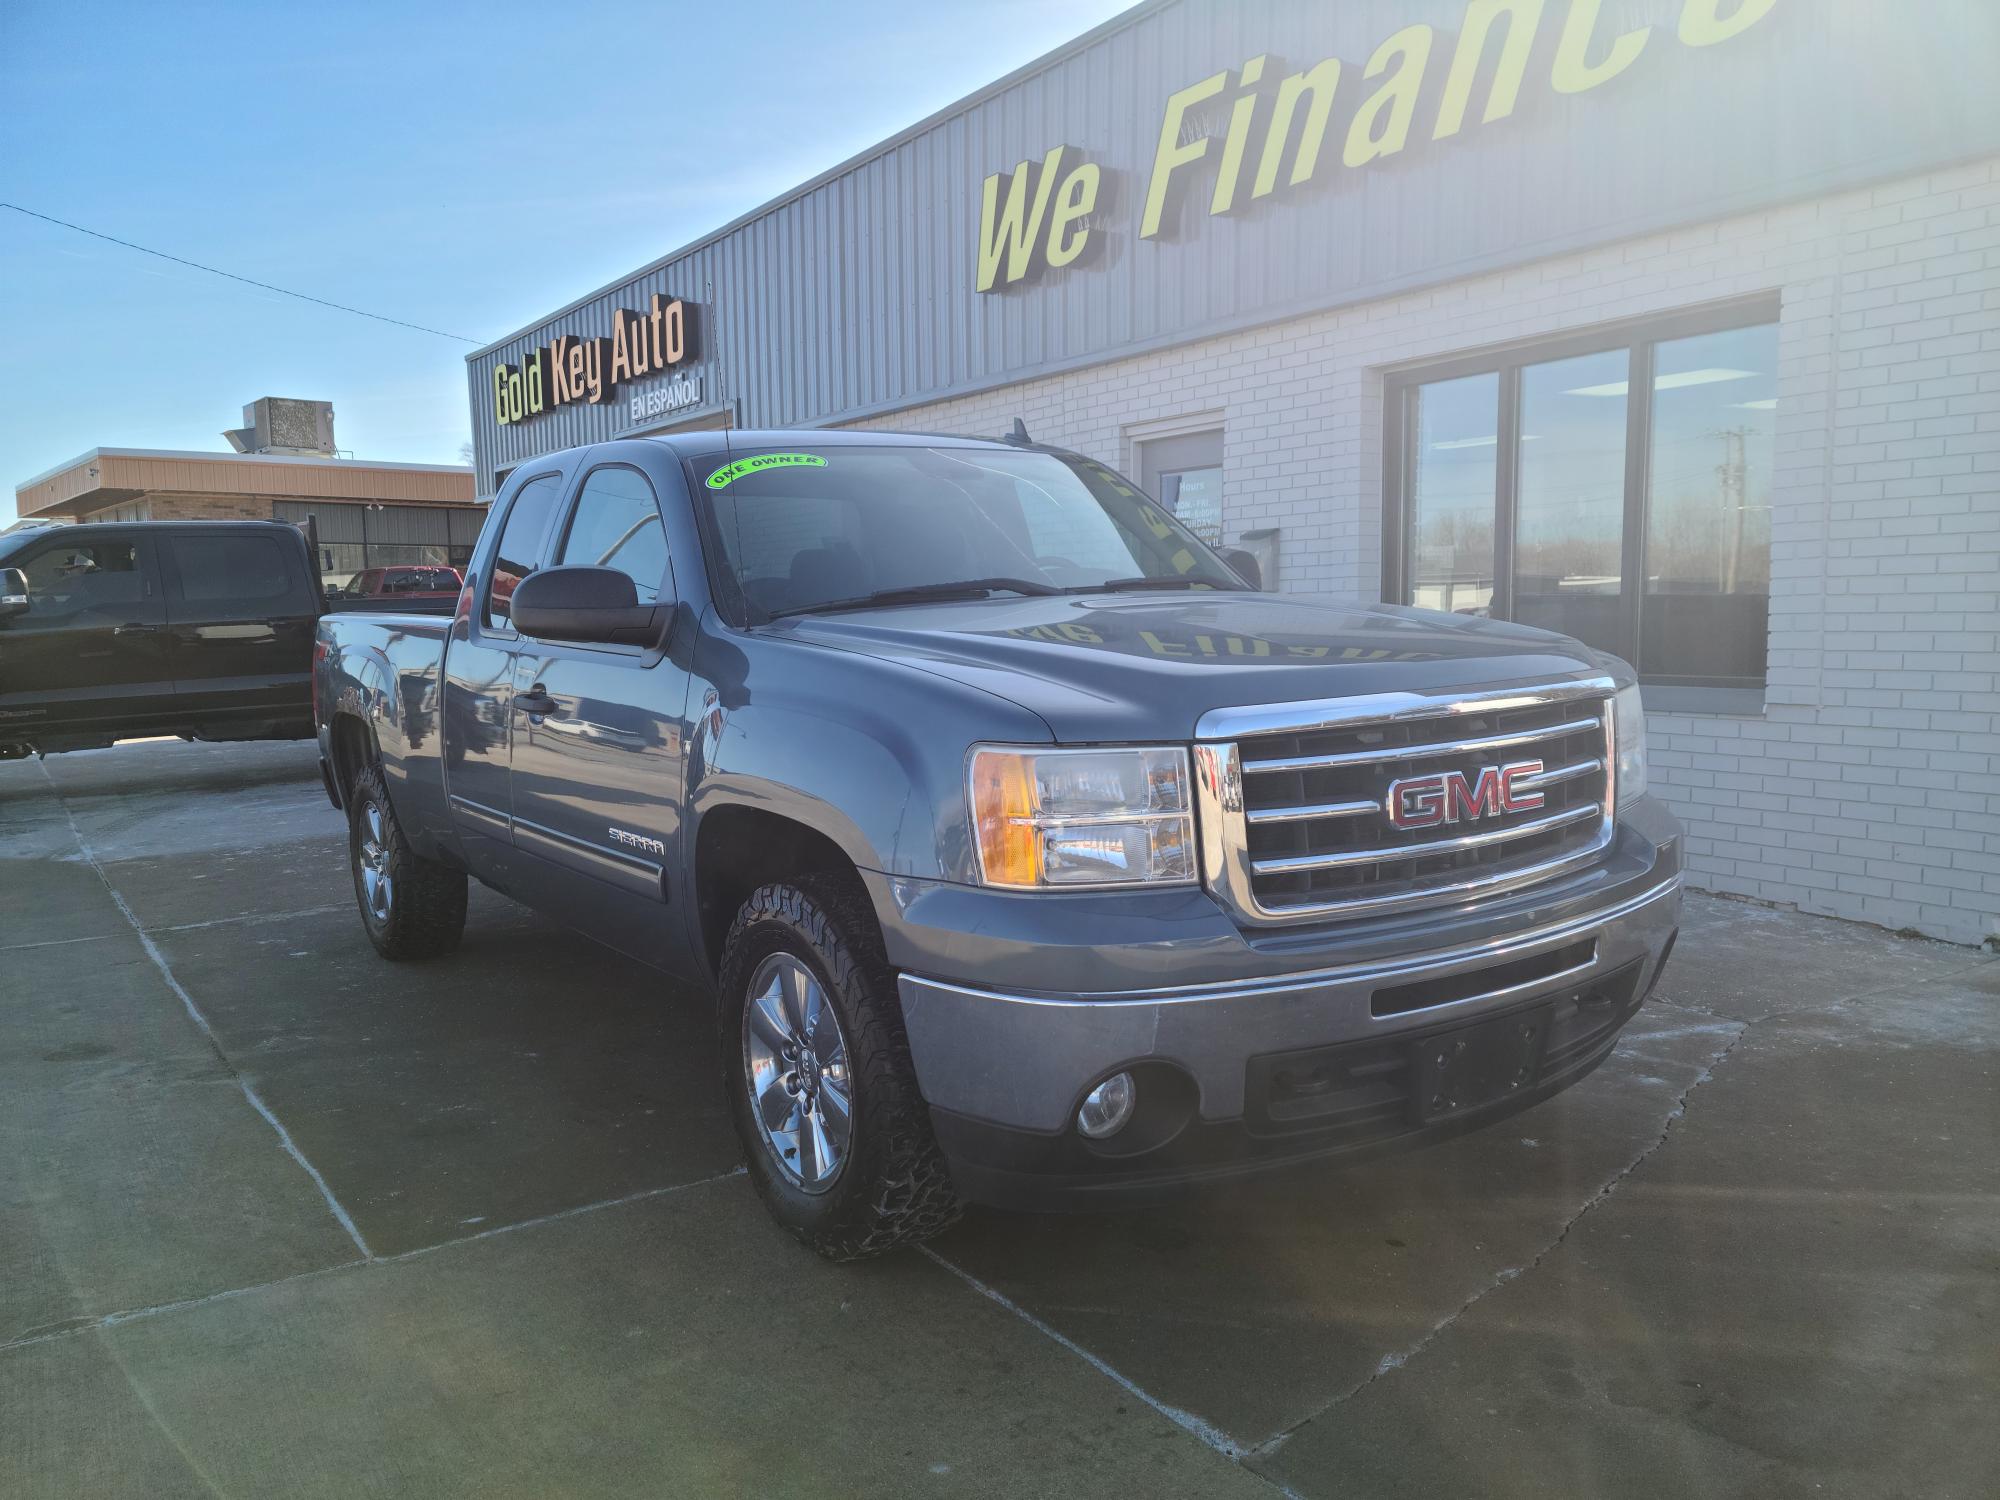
(1107, 1107)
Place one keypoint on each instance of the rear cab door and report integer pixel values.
(241, 610)
(479, 668)
(90, 655)
(599, 730)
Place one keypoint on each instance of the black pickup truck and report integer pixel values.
(1032, 853)
(202, 629)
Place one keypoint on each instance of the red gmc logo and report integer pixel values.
(1452, 797)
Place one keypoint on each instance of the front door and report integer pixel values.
(241, 614)
(89, 657)
(597, 731)
(478, 682)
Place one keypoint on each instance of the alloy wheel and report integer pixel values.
(795, 1064)
(378, 890)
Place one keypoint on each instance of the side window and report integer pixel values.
(74, 582)
(514, 558)
(617, 525)
(231, 568)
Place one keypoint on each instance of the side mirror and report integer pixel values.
(1245, 564)
(13, 593)
(595, 605)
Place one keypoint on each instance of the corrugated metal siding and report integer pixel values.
(856, 294)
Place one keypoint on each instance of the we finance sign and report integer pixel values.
(1257, 132)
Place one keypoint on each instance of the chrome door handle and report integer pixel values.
(535, 702)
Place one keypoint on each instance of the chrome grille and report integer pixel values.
(1296, 809)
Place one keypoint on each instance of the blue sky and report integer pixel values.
(465, 167)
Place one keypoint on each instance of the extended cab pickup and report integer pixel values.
(1032, 854)
(112, 631)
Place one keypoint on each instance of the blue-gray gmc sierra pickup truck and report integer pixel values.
(1033, 854)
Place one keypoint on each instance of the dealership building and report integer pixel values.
(1673, 325)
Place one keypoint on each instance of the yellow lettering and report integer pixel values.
(1319, 83)
(1574, 72)
(531, 370)
(1522, 16)
(1162, 648)
(1411, 48)
(500, 395)
(1078, 201)
(1239, 137)
(1009, 232)
(1702, 24)
(1170, 153)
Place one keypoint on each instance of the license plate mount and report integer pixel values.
(1471, 1067)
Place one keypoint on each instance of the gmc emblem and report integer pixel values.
(1450, 797)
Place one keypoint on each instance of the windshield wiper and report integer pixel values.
(926, 593)
(1125, 585)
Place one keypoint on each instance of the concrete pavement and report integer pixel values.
(277, 1218)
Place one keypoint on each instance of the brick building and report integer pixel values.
(1670, 324)
(284, 468)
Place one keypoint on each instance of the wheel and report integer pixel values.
(411, 907)
(817, 1069)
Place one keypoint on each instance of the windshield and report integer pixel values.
(841, 526)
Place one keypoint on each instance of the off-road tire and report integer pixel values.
(895, 1188)
(427, 913)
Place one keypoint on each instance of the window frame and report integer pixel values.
(1638, 337)
(296, 582)
(483, 612)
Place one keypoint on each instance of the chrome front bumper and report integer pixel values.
(1024, 1061)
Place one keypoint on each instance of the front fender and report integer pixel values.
(869, 753)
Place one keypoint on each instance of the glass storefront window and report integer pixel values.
(1451, 494)
(1541, 489)
(1569, 529)
(1708, 511)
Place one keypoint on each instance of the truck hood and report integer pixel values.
(1147, 666)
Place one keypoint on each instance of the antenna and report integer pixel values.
(1019, 436)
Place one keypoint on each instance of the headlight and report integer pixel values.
(1629, 721)
(1044, 818)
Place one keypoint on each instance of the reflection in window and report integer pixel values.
(1569, 534)
(617, 525)
(515, 557)
(1708, 512)
(1451, 494)
(1698, 503)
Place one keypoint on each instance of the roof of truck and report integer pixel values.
(746, 439)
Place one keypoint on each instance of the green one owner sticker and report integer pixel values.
(730, 473)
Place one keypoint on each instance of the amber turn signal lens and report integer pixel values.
(1003, 811)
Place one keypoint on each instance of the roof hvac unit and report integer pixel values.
(277, 424)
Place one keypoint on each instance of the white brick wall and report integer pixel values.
(1870, 786)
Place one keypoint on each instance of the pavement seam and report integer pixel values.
(1187, 1421)
(1397, 1360)
(123, 1316)
(256, 1102)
